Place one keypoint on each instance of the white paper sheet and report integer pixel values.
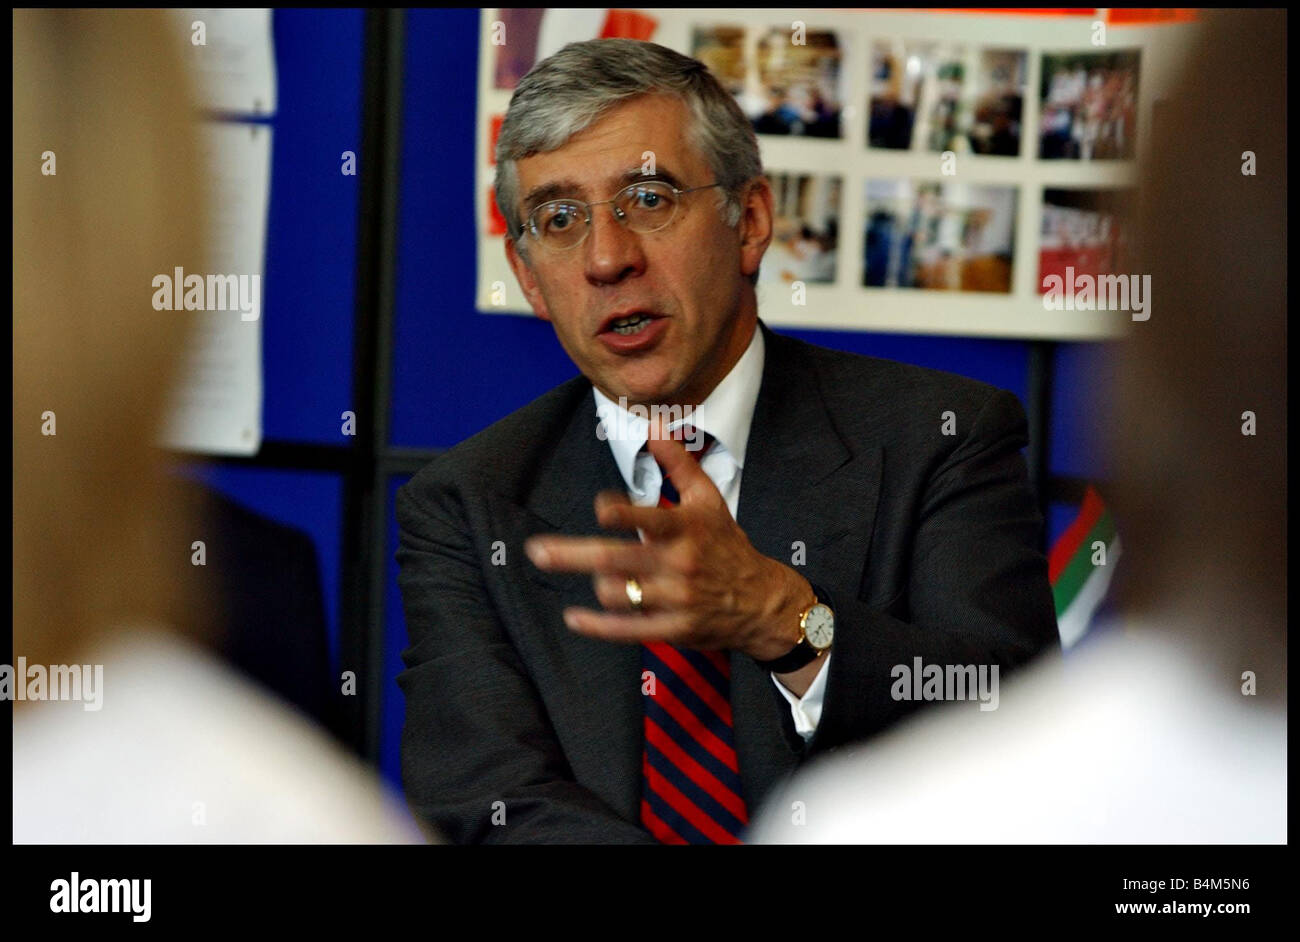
(236, 64)
(217, 406)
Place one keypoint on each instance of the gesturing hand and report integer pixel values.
(703, 583)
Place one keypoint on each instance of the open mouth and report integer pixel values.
(632, 324)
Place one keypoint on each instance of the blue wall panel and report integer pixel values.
(1059, 517)
(455, 371)
(311, 243)
(1081, 380)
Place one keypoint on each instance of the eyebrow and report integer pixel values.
(558, 188)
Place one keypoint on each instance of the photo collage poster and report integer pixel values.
(973, 154)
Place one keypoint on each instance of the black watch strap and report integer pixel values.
(803, 653)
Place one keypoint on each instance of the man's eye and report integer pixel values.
(560, 220)
(649, 199)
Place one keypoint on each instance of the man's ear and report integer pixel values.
(755, 224)
(527, 282)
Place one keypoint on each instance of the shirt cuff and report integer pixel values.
(807, 710)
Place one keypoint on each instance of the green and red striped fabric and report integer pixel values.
(1080, 572)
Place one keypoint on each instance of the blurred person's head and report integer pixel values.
(584, 124)
(1200, 506)
(102, 99)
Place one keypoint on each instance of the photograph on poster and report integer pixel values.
(1088, 106)
(946, 97)
(524, 37)
(895, 90)
(805, 229)
(939, 236)
(787, 82)
(997, 101)
(1084, 230)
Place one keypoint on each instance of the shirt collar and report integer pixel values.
(726, 413)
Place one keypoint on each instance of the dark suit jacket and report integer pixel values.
(927, 543)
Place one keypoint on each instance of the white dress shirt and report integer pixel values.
(726, 415)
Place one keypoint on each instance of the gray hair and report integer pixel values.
(570, 90)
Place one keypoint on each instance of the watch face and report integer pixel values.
(819, 627)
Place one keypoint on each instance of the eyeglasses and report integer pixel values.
(642, 207)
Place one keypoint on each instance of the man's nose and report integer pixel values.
(613, 251)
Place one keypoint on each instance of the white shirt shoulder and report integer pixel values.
(183, 749)
(1130, 742)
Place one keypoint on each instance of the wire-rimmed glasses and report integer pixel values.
(644, 206)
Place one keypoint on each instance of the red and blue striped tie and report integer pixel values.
(691, 777)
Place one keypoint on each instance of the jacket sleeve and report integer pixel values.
(977, 591)
(480, 760)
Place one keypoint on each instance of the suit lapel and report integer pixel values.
(799, 481)
(601, 681)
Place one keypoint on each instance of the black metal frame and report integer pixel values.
(368, 464)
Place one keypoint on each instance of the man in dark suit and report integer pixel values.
(567, 681)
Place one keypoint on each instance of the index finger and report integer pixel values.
(590, 554)
(655, 522)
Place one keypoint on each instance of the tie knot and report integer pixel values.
(696, 441)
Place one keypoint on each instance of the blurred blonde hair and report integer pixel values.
(1201, 507)
(107, 93)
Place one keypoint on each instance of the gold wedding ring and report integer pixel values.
(634, 593)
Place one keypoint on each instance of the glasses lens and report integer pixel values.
(647, 206)
(559, 224)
